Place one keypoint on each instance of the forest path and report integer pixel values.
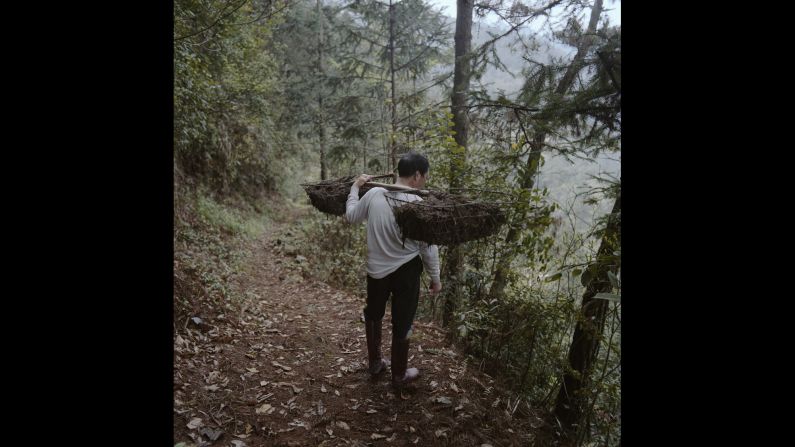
(288, 366)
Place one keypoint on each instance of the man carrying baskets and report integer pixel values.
(394, 266)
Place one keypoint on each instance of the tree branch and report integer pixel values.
(535, 14)
(264, 11)
(214, 23)
(507, 106)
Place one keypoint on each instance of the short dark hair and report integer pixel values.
(412, 162)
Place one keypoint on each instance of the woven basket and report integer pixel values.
(440, 218)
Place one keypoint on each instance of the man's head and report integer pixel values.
(413, 169)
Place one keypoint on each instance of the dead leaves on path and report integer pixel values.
(279, 365)
(287, 364)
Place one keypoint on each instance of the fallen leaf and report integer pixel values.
(252, 370)
(336, 392)
(323, 388)
(441, 432)
(211, 388)
(411, 429)
(454, 388)
(434, 384)
(195, 423)
(377, 436)
(443, 400)
(264, 409)
(343, 425)
(263, 383)
(284, 367)
(236, 443)
(298, 423)
(458, 408)
(211, 434)
(371, 411)
(330, 432)
(392, 438)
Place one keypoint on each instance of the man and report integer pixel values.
(393, 266)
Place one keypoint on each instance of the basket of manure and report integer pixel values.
(329, 196)
(446, 219)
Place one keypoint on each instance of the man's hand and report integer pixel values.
(436, 287)
(364, 178)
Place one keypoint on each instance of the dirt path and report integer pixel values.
(287, 366)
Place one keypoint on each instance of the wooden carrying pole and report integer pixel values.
(406, 189)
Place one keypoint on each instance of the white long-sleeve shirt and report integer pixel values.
(386, 250)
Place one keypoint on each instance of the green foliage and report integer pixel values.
(225, 98)
(336, 250)
(210, 240)
(520, 335)
(227, 220)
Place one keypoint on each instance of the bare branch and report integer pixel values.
(507, 106)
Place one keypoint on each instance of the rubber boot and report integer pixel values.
(401, 375)
(376, 363)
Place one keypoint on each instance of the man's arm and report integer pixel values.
(356, 210)
(430, 257)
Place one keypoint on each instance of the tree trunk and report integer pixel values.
(364, 147)
(320, 123)
(585, 342)
(537, 146)
(461, 75)
(393, 136)
(322, 133)
(527, 182)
